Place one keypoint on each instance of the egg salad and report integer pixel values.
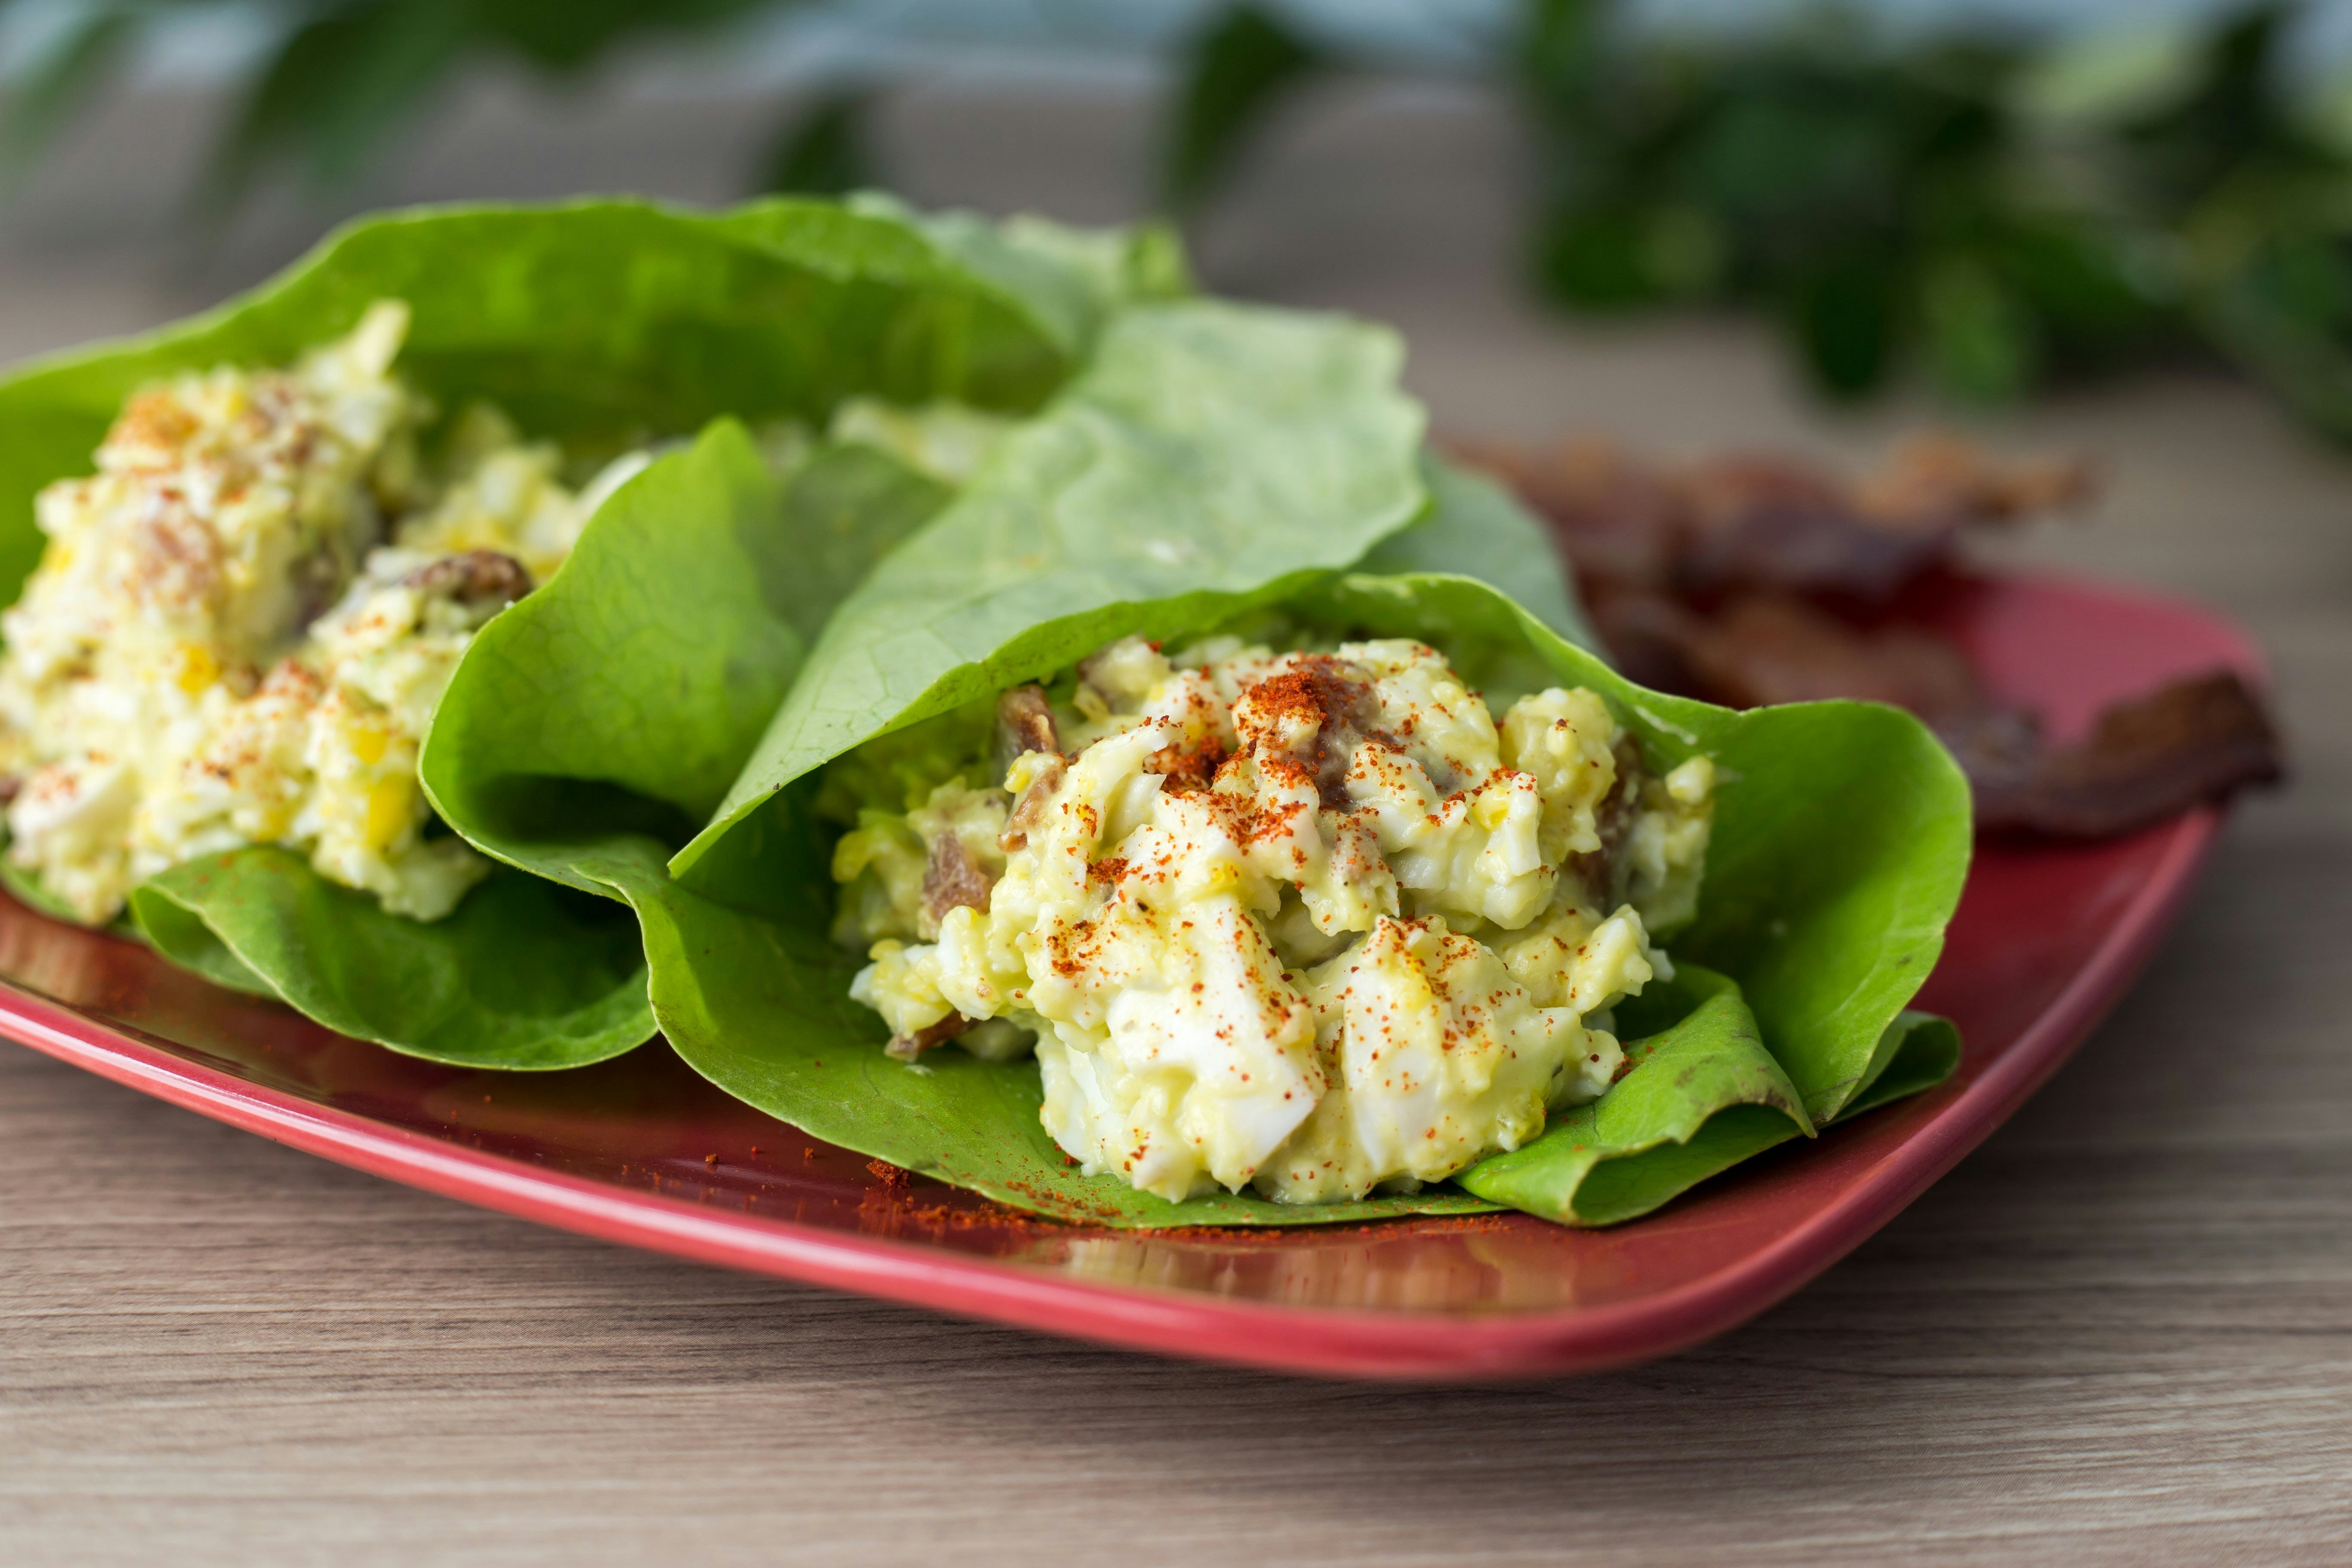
(1306, 920)
(242, 620)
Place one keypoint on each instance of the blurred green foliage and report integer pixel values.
(343, 73)
(1982, 212)
(1989, 213)
(827, 151)
(1240, 69)
(1978, 211)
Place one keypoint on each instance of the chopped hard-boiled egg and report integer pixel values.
(245, 619)
(1308, 921)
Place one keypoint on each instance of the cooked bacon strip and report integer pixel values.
(1763, 649)
(2145, 759)
(1757, 522)
(471, 576)
(1938, 475)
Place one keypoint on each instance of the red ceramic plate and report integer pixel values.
(642, 1150)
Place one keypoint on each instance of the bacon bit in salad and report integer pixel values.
(1767, 648)
(1030, 809)
(952, 880)
(1025, 722)
(1316, 689)
(906, 1047)
(472, 578)
(1603, 871)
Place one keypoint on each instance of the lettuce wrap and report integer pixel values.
(601, 325)
(1165, 505)
(1840, 848)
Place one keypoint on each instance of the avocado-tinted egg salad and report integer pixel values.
(1306, 922)
(244, 617)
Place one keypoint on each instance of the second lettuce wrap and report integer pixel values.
(1162, 505)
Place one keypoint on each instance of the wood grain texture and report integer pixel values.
(2119, 1332)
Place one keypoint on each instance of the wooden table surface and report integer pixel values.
(2120, 1332)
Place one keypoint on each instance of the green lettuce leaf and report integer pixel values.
(593, 724)
(1209, 455)
(1701, 1096)
(1476, 528)
(221, 968)
(1070, 279)
(1841, 839)
(1918, 1051)
(626, 693)
(27, 890)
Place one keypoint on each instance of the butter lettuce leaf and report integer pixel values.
(1918, 1051)
(27, 890)
(1700, 1095)
(1841, 839)
(626, 693)
(593, 723)
(1476, 528)
(1070, 279)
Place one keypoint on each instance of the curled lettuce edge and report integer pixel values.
(1840, 843)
